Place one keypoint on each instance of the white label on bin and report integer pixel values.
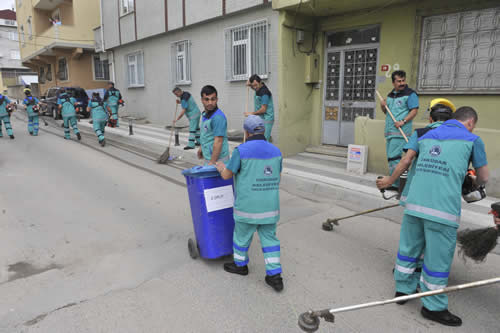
(219, 198)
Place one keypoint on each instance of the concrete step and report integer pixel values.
(328, 150)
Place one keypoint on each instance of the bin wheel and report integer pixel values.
(193, 248)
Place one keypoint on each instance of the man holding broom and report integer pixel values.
(190, 109)
(403, 103)
(433, 207)
(263, 101)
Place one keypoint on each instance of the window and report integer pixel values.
(13, 35)
(41, 75)
(23, 40)
(30, 29)
(135, 70)
(62, 69)
(460, 53)
(48, 74)
(126, 6)
(101, 68)
(15, 55)
(9, 22)
(247, 51)
(181, 62)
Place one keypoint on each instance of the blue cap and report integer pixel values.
(254, 124)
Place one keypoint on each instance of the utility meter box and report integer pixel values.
(312, 68)
(357, 159)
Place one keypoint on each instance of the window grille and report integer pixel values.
(247, 51)
(460, 53)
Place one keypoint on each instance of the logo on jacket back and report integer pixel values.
(268, 171)
(435, 151)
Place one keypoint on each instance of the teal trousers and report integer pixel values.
(194, 131)
(394, 149)
(8, 126)
(33, 125)
(99, 126)
(242, 238)
(67, 121)
(436, 241)
(268, 124)
(114, 114)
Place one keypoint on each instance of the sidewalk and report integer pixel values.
(320, 175)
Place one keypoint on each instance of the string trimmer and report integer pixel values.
(309, 321)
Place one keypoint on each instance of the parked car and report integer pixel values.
(50, 101)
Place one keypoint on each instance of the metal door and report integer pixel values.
(349, 91)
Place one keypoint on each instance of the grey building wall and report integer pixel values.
(202, 10)
(127, 28)
(110, 20)
(152, 12)
(7, 45)
(237, 5)
(155, 100)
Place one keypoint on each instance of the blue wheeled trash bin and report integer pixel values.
(211, 199)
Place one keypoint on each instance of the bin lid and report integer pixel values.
(205, 171)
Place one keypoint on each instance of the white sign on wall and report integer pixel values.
(219, 198)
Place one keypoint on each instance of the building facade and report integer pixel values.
(156, 45)
(56, 40)
(11, 68)
(334, 55)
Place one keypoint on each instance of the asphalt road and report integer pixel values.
(97, 242)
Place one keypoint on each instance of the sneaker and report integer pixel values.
(275, 281)
(79, 136)
(188, 147)
(231, 267)
(103, 142)
(11, 137)
(443, 317)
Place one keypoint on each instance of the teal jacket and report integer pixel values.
(400, 103)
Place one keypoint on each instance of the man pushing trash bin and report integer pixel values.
(256, 166)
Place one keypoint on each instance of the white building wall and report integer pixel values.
(174, 14)
(155, 100)
(127, 28)
(202, 10)
(237, 5)
(152, 12)
(110, 23)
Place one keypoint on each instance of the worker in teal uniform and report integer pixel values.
(99, 117)
(440, 110)
(68, 112)
(263, 103)
(256, 166)
(433, 207)
(403, 103)
(32, 107)
(5, 105)
(112, 100)
(214, 144)
(192, 112)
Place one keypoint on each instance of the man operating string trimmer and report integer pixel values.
(433, 207)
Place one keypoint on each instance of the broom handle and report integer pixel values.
(246, 110)
(173, 124)
(392, 116)
(414, 296)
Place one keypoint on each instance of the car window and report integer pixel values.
(51, 93)
(80, 93)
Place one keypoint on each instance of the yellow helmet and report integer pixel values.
(27, 90)
(442, 101)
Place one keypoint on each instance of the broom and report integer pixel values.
(476, 244)
(166, 155)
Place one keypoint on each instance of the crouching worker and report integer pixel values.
(256, 166)
(99, 117)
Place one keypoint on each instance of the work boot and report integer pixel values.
(231, 267)
(443, 317)
(197, 144)
(275, 281)
(399, 294)
(31, 133)
(79, 136)
(11, 137)
(188, 147)
(103, 142)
